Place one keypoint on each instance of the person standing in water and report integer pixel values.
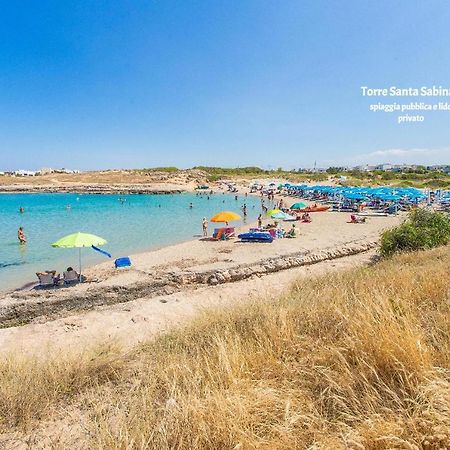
(205, 227)
(21, 236)
(260, 221)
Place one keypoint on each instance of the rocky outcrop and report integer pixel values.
(271, 265)
(24, 307)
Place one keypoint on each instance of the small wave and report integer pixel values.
(16, 263)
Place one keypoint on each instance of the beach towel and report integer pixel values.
(122, 262)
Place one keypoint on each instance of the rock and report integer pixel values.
(213, 280)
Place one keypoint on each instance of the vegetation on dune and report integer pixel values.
(419, 177)
(422, 230)
(354, 360)
(169, 169)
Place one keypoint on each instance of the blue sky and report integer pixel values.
(133, 83)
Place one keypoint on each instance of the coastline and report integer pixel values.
(190, 275)
(184, 268)
(91, 189)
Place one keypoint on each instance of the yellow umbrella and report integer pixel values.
(79, 240)
(225, 216)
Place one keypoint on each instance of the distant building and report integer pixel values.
(24, 173)
(385, 167)
(365, 168)
(48, 170)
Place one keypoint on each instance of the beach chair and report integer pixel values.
(71, 277)
(122, 262)
(222, 234)
(47, 279)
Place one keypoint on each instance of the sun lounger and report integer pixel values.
(223, 233)
(47, 279)
(71, 277)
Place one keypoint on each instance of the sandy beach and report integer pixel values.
(131, 305)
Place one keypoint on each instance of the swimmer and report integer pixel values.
(21, 236)
(68, 207)
(191, 205)
(21, 210)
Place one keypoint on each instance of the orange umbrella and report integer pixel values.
(225, 216)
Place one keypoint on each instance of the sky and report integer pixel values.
(127, 84)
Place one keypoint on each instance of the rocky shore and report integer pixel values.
(24, 307)
(90, 189)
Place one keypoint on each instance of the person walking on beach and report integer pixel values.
(21, 236)
(260, 221)
(205, 227)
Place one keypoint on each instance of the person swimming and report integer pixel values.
(21, 236)
(191, 205)
(21, 210)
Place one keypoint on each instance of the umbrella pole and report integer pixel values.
(79, 259)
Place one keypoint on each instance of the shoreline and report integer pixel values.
(32, 284)
(168, 285)
(91, 189)
(180, 268)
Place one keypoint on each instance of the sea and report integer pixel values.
(130, 224)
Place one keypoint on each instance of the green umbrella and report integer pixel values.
(299, 205)
(273, 211)
(79, 240)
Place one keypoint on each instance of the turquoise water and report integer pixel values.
(139, 223)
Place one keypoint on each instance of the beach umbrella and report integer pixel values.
(282, 216)
(388, 197)
(225, 216)
(299, 205)
(354, 196)
(79, 240)
(271, 212)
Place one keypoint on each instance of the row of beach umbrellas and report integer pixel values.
(363, 193)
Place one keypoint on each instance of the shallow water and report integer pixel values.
(135, 224)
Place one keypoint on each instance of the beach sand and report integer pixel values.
(140, 316)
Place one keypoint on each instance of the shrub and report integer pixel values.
(422, 230)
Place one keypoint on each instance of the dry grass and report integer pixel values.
(357, 360)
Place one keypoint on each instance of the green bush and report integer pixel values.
(422, 230)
